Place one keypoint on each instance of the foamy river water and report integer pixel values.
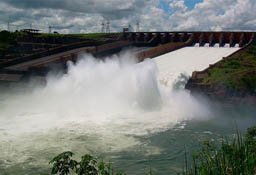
(138, 116)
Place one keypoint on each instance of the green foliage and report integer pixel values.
(250, 83)
(6, 38)
(81, 36)
(63, 164)
(88, 165)
(237, 157)
(9, 38)
(233, 64)
(91, 35)
(236, 74)
(252, 50)
(229, 157)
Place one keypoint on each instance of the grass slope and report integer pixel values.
(237, 74)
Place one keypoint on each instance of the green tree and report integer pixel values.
(87, 166)
(63, 164)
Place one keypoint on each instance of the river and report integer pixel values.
(138, 116)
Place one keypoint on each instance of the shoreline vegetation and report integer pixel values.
(235, 156)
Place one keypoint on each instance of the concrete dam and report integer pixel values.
(157, 43)
(136, 114)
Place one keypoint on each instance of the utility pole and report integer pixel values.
(31, 26)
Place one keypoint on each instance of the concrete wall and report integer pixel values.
(159, 50)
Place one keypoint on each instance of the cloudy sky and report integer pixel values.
(80, 16)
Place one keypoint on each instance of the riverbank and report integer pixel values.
(232, 80)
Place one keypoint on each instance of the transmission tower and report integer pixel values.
(8, 26)
(108, 27)
(102, 27)
(129, 27)
(138, 26)
(50, 29)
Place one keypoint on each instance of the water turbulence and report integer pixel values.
(101, 106)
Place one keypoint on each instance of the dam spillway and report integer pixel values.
(189, 59)
(105, 108)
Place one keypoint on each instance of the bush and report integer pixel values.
(237, 157)
(63, 164)
(249, 83)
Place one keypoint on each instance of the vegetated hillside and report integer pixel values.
(7, 40)
(20, 44)
(233, 78)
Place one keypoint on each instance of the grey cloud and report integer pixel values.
(86, 15)
(113, 9)
(217, 15)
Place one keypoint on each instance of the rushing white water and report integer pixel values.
(187, 60)
(102, 105)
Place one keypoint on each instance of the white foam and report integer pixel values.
(110, 102)
(197, 45)
(217, 45)
(207, 45)
(187, 60)
(100, 92)
(227, 45)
